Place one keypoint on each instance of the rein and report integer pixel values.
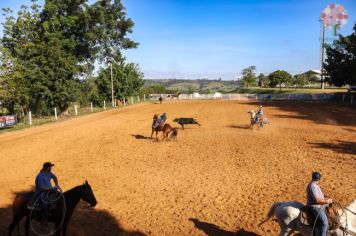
(349, 210)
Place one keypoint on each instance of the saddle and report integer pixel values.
(35, 203)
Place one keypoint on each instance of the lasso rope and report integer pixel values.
(316, 219)
(49, 201)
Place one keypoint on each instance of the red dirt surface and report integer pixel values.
(217, 179)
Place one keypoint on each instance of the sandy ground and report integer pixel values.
(217, 179)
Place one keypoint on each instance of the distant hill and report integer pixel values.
(199, 85)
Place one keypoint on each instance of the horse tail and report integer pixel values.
(270, 212)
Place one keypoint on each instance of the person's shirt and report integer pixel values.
(43, 180)
(313, 192)
(163, 117)
(260, 112)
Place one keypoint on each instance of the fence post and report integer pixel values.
(91, 106)
(104, 105)
(76, 110)
(352, 99)
(144, 97)
(131, 100)
(138, 98)
(30, 117)
(343, 98)
(55, 113)
(230, 97)
(124, 101)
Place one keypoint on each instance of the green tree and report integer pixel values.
(341, 60)
(248, 76)
(279, 77)
(311, 77)
(52, 46)
(299, 80)
(191, 89)
(155, 89)
(262, 80)
(127, 81)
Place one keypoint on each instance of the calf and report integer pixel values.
(186, 121)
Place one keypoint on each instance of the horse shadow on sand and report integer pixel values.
(214, 230)
(239, 126)
(85, 221)
(140, 136)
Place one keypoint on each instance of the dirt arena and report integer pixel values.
(217, 179)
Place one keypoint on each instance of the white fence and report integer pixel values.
(247, 97)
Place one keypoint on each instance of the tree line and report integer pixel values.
(340, 68)
(48, 55)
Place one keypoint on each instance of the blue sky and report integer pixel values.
(218, 38)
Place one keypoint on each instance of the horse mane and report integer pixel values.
(73, 190)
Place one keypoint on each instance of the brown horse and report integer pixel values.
(166, 129)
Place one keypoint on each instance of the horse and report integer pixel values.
(289, 217)
(71, 199)
(160, 99)
(166, 129)
(253, 121)
(175, 95)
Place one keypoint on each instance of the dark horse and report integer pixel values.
(166, 129)
(72, 197)
(174, 95)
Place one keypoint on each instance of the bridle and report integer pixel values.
(345, 229)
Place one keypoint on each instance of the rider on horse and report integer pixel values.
(160, 122)
(259, 114)
(316, 203)
(43, 185)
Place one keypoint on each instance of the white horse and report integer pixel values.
(289, 218)
(253, 121)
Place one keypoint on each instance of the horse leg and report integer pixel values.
(182, 126)
(27, 226)
(152, 132)
(60, 228)
(165, 134)
(15, 221)
(285, 231)
(64, 228)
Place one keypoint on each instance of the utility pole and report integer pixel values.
(322, 55)
(112, 86)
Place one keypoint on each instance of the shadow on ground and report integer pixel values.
(84, 222)
(329, 113)
(341, 146)
(214, 230)
(240, 126)
(140, 136)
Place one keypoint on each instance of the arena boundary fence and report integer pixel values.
(346, 98)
